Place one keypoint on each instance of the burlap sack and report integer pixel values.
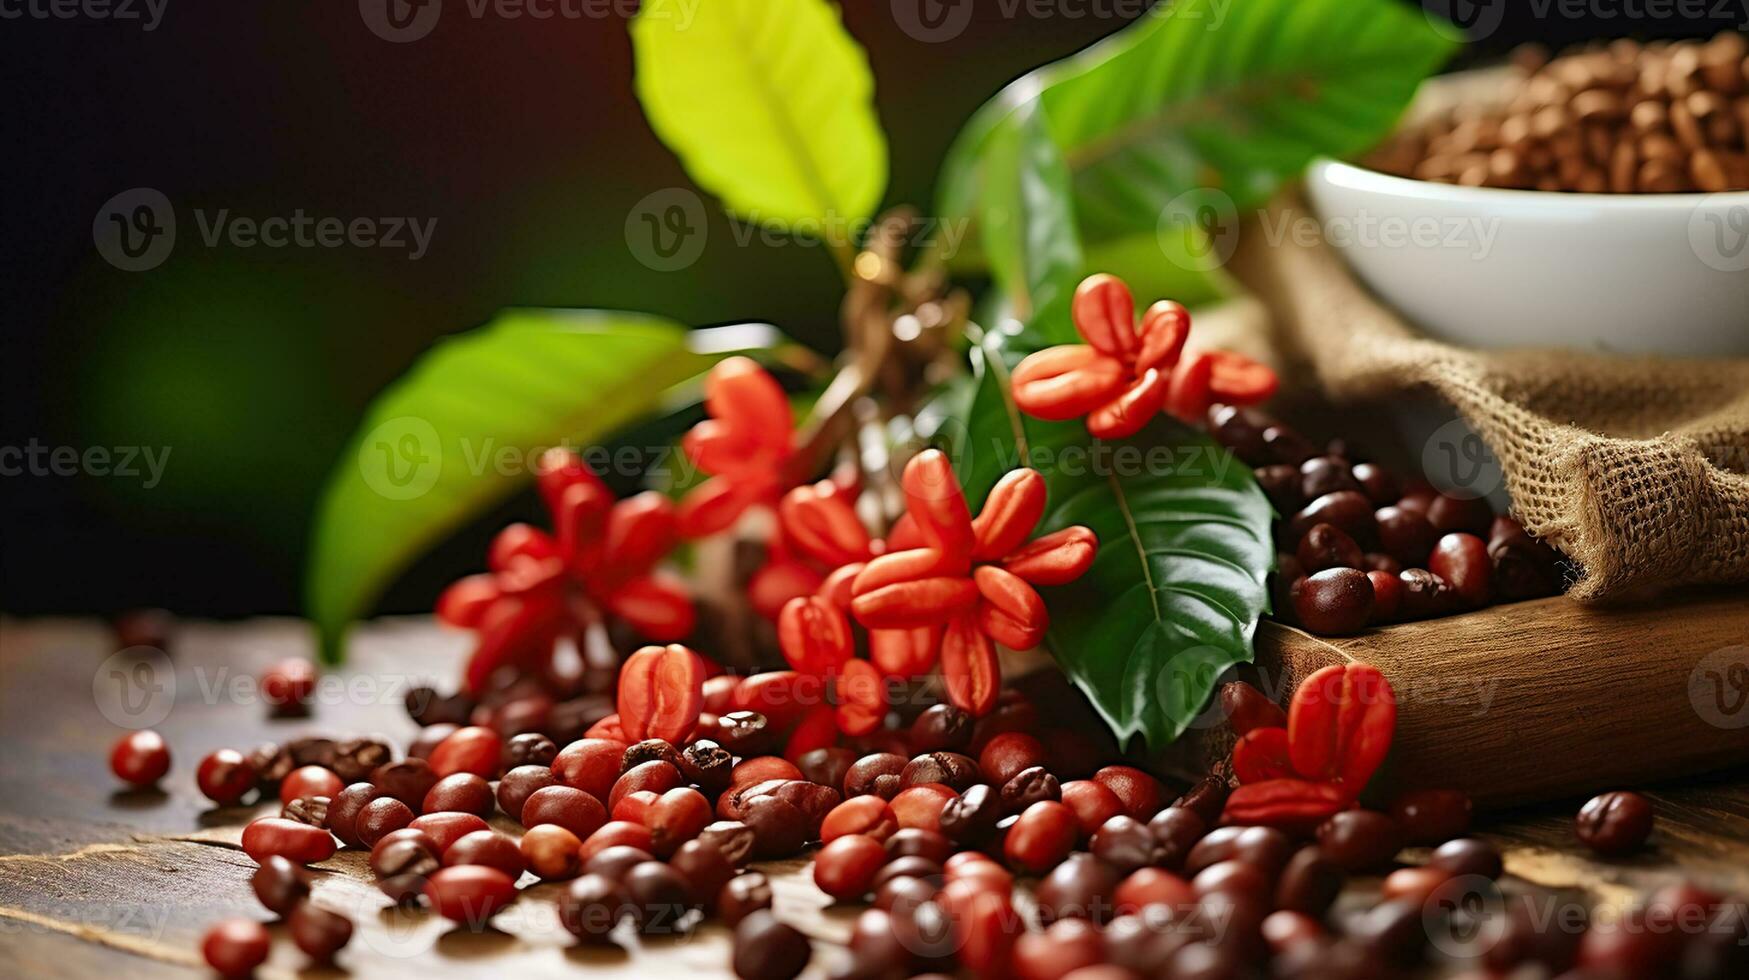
(1635, 467)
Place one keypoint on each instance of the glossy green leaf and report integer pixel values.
(1027, 221)
(1210, 103)
(768, 103)
(463, 428)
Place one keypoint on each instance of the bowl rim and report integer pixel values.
(1354, 177)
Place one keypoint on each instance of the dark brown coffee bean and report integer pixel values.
(1360, 840)
(312, 810)
(408, 780)
(1206, 799)
(1406, 535)
(707, 765)
(271, 762)
(1347, 509)
(1614, 823)
(877, 774)
(746, 733)
(1264, 848)
(658, 897)
(1431, 817)
(705, 869)
(590, 907)
(1177, 829)
(1287, 446)
(426, 707)
(379, 817)
(461, 792)
(1125, 843)
(1079, 888)
(1029, 786)
(318, 932)
(1448, 514)
(529, 749)
(1309, 883)
(428, 739)
(743, 895)
(1281, 484)
(1377, 483)
(649, 750)
(1327, 546)
(766, 949)
(312, 750)
(280, 884)
(613, 862)
(1424, 595)
(942, 728)
(780, 828)
(732, 838)
(951, 769)
(971, 817)
(394, 856)
(1333, 602)
(357, 758)
(344, 810)
(1523, 568)
(1468, 856)
(519, 784)
(908, 866)
(920, 842)
(826, 766)
(1241, 430)
(1325, 474)
(1395, 931)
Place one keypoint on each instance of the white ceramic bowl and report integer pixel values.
(1487, 267)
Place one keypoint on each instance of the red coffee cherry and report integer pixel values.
(570, 808)
(591, 765)
(469, 894)
(296, 842)
(235, 947)
(1092, 804)
(461, 792)
(287, 685)
(676, 817)
(307, 781)
(488, 848)
(474, 749)
(445, 829)
(845, 869)
(225, 776)
(1067, 946)
(867, 815)
(616, 833)
(921, 806)
(1141, 794)
(1007, 754)
(140, 758)
(1042, 836)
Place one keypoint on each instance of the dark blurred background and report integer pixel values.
(521, 137)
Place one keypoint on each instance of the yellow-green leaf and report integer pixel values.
(768, 103)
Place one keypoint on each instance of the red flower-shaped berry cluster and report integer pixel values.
(747, 444)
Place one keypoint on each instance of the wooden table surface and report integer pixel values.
(95, 880)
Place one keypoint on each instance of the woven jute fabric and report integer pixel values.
(1636, 467)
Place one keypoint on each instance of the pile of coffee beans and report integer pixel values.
(1360, 546)
(937, 826)
(1623, 118)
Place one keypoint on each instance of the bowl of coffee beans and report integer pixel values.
(1598, 199)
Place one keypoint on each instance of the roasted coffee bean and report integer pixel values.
(1377, 483)
(705, 869)
(649, 750)
(1360, 840)
(1287, 446)
(732, 838)
(1029, 786)
(1264, 848)
(462, 792)
(1241, 430)
(1462, 561)
(826, 766)
(342, 816)
(1406, 535)
(590, 907)
(1470, 514)
(875, 948)
(743, 895)
(1079, 888)
(1177, 829)
(1395, 931)
(312, 810)
(942, 728)
(657, 897)
(951, 769)
(396, 855)
(380, 817)
(1125, 843)
(1281, 484)
(1333, 602)
(1014, 712)
(1614, 823)
(529, 749)
(919, 842)
(1327, 546)
(971, 817)
(908, 866)
(1430, 817)
(877, 774)
(707, 765)
(1206, 799)
(780, 828)
(519, 784)
(1325, 474)
(357, 758)
(318, 932)
(613, 862)
(1061, 949)
(1348, 510)
(408, 780)
(746, 733)
(280, 884)
(272, 763)
(428, 739)
(569, 720)
(767, 949)
(904, 892)
(1309, 883)
(1424, 595)
(1468, 856)
(426, 707)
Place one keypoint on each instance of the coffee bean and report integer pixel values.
(1360, 840)
(1309, 883)
(529, 749)
(942, 728)
(318, 932)
(1614, 823)
(1468, 856)
(971, 817)
(1079, 888)
(950, 769)
(280, 884)
(1333, 602)
(742, 896)
(767, 949)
